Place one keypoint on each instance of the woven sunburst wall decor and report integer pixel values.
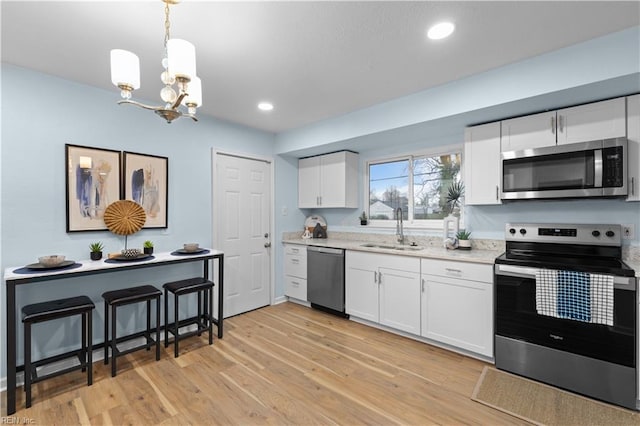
(124, 217)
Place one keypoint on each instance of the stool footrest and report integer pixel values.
(35, 378)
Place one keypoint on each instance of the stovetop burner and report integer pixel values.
(584, 248)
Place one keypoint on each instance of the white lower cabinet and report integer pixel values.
(384, 289)
(295, 271)
(457, 304)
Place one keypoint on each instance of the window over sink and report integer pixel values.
(416, 183)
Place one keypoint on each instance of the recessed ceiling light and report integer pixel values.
(265, 106)
(440, 30)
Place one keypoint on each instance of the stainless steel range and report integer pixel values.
(566, 310)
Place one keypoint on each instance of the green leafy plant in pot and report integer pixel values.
(463, 239)
(363, 218)
(147, 247)
(96, 250)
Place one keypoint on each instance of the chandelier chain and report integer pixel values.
(167, 24)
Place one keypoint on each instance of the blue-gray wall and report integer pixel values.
(41, 113)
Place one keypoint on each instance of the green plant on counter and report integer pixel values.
(147, 244)
(363, 216)
(96, 247)
(463, 234)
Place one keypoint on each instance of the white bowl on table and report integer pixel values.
(51, 260)
(191, 247)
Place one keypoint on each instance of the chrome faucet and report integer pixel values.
(399, 226)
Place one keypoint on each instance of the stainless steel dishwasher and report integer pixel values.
(325, 279)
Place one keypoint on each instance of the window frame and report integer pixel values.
(410, 223)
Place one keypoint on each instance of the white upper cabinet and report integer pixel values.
(482, 164)
(633, 152)
(328, 181)
(583, 123)
(599, 120)
(532, 131)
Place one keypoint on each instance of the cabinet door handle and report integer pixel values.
(375, 277)
(497, 193)
(296, 261)
(561, 123)
(553, 124)
(379, 277)
(423, 285)
(296, 283)
(633, 187)
(453, 271)
(295, 250)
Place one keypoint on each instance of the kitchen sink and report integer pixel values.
(390, 247)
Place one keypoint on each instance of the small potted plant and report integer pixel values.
(96, 250)
(464, 242)
(147, 247)
(363, 218)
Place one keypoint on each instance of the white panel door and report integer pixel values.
(242, 204)
(308, 182)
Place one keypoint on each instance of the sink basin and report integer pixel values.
(389, 247)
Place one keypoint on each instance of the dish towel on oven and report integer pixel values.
(574, 295)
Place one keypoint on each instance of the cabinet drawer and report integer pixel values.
(295, 265)
(462, 270)
(295, 250)
(295, 287)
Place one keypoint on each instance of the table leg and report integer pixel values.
(220, 294)
(11, 348)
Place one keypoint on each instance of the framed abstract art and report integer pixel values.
(145, 180)
(92, 183)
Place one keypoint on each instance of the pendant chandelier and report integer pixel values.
(179, 63)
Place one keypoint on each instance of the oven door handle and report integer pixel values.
(623, 283)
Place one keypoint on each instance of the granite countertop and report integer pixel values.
(486, 256)
(484, 251)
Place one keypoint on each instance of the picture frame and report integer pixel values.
(146, 181)
(93, 181)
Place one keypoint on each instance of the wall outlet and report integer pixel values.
(628, 233)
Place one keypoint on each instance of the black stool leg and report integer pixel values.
(166, 318)
(147, 335)
(106, 333)
(27, 362)
(83, 348)
(176, 336)
(89, 346)
(113, 340)
(158, 328)
(199, 313)
(210, 315)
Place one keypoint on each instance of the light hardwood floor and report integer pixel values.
(283, 364)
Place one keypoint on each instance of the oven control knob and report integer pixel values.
(512, 231)
(610, 234)
(523, 231)
(596, 233)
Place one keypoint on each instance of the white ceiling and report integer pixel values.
(313, 60)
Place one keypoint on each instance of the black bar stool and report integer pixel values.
(204, 320)
(127, 296)
(45, 311)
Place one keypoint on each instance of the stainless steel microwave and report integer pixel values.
(589, 169)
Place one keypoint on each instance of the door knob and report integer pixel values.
(267, 244)
(266, 235)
